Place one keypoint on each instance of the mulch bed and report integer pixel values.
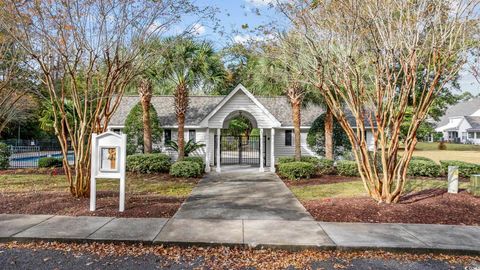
(434, 206)
(62, 203)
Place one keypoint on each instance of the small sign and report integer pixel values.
(109, 159)
(109, 154)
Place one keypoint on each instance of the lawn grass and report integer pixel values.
(427, 146)
(152, 184)
(356, 189)
(455, 151)
(467, 156)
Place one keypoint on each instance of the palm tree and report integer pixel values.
(188, 65)
(145, 92)
(273, 74)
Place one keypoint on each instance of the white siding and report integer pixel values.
(462, 130)
(240, 102)
(370, 140)
(282, 150)
(200, 137)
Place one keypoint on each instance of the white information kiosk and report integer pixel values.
(109, 155)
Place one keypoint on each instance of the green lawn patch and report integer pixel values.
(356, 189)
(160, 184)
(426, 146)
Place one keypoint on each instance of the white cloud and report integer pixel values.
(243, 39)
(261, 3)
(198, 29)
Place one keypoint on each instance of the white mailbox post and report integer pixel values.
(109, 155)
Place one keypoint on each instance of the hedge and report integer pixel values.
(347, 168)
(296, 170)
(423, 168)
(325, 166)
(49, 162)
(198, 160)
(302, 159)
(4, 156)
(465, 169)
(149, 163)
(187, 169)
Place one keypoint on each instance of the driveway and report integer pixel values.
(242, 195)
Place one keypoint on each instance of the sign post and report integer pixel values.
(109, 155)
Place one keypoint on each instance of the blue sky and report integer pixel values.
(235, 13)
(232, 14)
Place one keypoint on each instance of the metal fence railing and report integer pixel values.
(28, 156)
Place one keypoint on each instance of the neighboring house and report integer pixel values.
(461, 122)
(208, 117)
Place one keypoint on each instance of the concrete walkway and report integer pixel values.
(265, 233)
(242, 195)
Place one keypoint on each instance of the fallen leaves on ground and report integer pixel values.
(427, 207)
(234, 257)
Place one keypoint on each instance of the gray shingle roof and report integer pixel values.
(201, 106)
(474, 121)
(461, 109)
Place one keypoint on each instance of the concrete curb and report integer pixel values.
(258, 234)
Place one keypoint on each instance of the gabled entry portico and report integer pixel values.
(240, 102)
(207, 120)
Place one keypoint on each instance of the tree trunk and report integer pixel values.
(181, 105)
(145, 91)
(328, 134)
(296, 106)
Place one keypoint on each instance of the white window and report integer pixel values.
(192, 135)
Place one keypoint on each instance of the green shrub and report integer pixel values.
(187, 169)
(4, 156)
(134, 129)
(198, 160)
(442, 146)
(424, 168)
(309, 159)
(325, 166)
(347, 168)
(49, 162)
(148, 163)
(465, 169)
(296, 170)
(316, 138)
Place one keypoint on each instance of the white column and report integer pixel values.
(207, 149)
(218, 169)
(261, 151)
(272, 150)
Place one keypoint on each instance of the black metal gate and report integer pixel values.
(239, 150)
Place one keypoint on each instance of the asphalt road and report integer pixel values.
(50, 259)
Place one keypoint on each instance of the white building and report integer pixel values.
(461, 122)
(208, 117)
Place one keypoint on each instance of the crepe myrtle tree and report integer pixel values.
(86, 53)
(363, 58)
